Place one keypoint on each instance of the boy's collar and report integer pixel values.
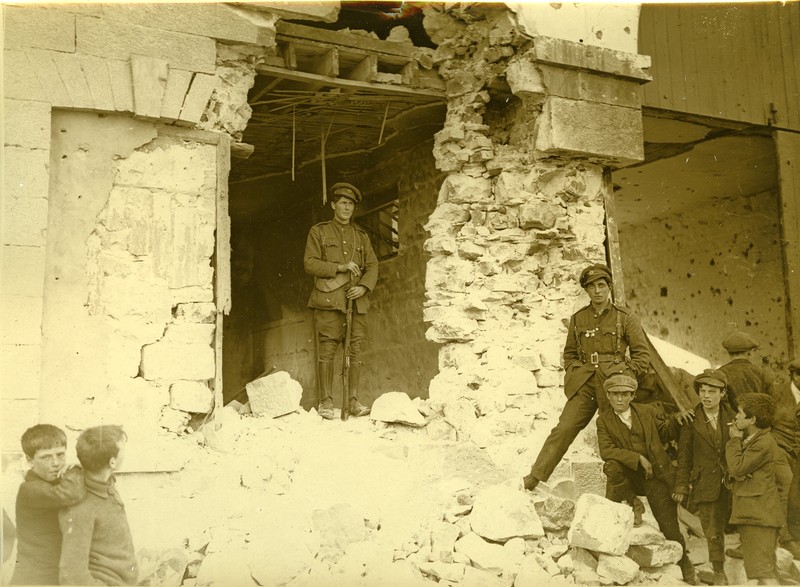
(99, 488)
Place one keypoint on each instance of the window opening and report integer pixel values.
(382, 225)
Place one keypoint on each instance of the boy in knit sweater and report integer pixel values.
(97, 547)
(46, 489)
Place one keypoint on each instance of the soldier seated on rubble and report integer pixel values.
(630, 438)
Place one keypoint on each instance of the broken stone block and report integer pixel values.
(443, 571)
(484, 555)
(501, 512)
(601, 525)
(589, 477)
(443, 540)
(784, 560)
(555, 513)
(396, 406)
(191, 396)
(548, 378)
(452, 326)
(196, 312)
(531, 574)
(440, 430)
(338, 526)
(161, 568)
(647, 534)
(540, 215)
(173, 420)
(481, 578)
(276, 394)
(619, 569)
(656, 555)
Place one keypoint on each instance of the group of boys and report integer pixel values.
(71, 524)
(730, 468)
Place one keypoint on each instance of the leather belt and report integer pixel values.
(594, 358)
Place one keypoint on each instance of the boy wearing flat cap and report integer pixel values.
(631, 439)
(340, 257)
(702, 466)
(598, 337)
(743, 375)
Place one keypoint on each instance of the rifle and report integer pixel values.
(346, 362)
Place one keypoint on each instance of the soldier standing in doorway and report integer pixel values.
(597, 339)
(340, 257)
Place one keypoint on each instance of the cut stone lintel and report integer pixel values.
(579, 56)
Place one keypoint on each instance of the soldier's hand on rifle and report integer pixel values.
(350, 266)
(356, 292)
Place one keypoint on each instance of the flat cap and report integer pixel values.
(794, 365)
(619, 383)
(739, 342)
(347, 190)
(593, 273)
(711, 377)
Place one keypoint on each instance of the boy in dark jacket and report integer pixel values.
(631, 437)
(757, 511)
(701, 465)
(46, 489)
(97, 548)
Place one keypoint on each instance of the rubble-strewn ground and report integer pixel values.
(301, 501)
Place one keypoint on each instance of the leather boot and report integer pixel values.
(324, 385)
(356, 407)
(720, 578)
(687, 569)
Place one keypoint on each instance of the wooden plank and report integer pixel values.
(790, 65)
(787, 145)
(364, 71)
(775, 60)
(794, 26)
(349, 84)
(222, 258)
(678, 78)
(292, 31)
(326, 63)
(149, 78)
(410, 73)
(752, 64)
(728, 57)
(688, 59)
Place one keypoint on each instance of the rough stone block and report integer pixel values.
(119, 40)
(26, 173)
(25, 221)
(41, 28)
(447, 218)
(198, 313)
(601, 525)
(119, 72)
(458, 188)
(484, 555)
(440, 430)
(191, 396)
(443, 571)
(501, 512)
(46, 70)
(197, 98)
(95, 70)
(275, 395)
(22, 271)
(482, 578)
(190, 333)
(19, 78)
(452, 326)
(607, 134)
(619, 569)
(548, 378)
(174, 361)
(317, 11)
(555, 512)
(589, 477)
(666, 552)
(71, 72)
(443, 540)
(647, 534)
(20, 368)
(22, 320)
(396, 406)
(177, 85)
(26, 124)
(540, 215)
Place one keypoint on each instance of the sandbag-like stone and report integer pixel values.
(619, 569)
(274, 395)
(601, 525)
(655, 555)
(396, 406)
(555, 513)
(501, 512)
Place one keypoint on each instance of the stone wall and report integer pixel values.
(697, 275)
(519, 214)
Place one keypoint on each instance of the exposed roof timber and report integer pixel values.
(291, 31)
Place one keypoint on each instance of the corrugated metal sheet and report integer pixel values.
(733, 61)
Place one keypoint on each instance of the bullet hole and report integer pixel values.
(63, 156)
(627, 29)
(663, 292)
(599, 34)
(580, 40)
(691, 261)
(64, 130)
(688, 275)
(730, 301)
(668, 226)
(712, 262)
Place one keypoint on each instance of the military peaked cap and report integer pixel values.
(620, 382)
(711, 377)
(347, 190)
(593, 273)
(739, 342)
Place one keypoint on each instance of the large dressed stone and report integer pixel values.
(619, 569)
(655, 555)
(484, 555)
(396, 406)
(274, 395)
(601, 525)
(501, 512)
(191, 396)
(647, 534)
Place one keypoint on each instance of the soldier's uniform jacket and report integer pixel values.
(330, 244)
(597, 344)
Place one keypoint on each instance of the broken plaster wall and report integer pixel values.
(698, 275)
(128, 311)
(519, 215)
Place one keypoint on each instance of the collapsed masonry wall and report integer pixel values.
(520, 213)
(696, 276)
(270, 324)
